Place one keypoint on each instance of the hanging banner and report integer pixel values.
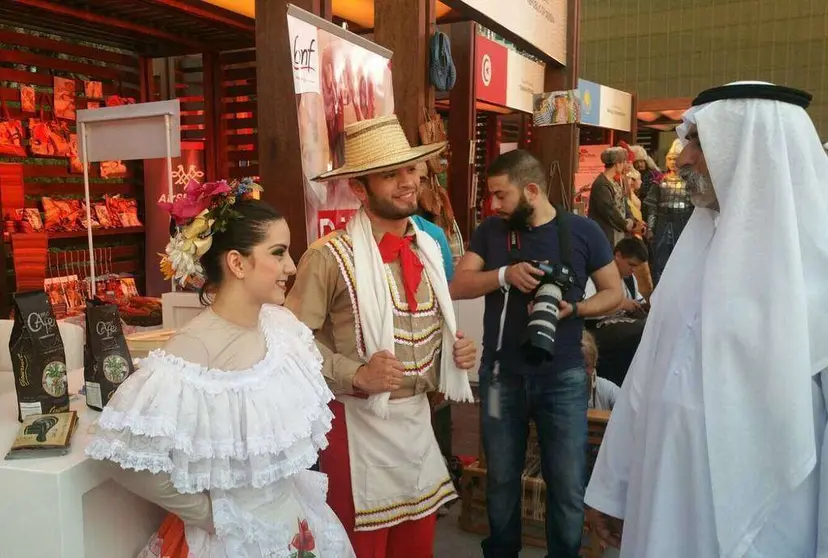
(604, 106)
(541, 23)
(188, 166)
(339, 78)
(553, 109)
(505, 77)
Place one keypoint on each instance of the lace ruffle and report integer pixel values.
(211, 429)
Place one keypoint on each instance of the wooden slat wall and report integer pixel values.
(33, 58)
(238, 119)
(189, 88)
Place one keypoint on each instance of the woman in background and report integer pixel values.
(607, 203)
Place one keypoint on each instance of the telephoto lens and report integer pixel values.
(543, 322)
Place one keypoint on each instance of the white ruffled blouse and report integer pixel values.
(248, 437)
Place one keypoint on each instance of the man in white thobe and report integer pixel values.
(716, 447)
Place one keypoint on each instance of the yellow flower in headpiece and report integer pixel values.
(166, 267)
(196, 234)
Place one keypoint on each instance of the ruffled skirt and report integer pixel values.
(288, 519)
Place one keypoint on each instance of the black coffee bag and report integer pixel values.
(106, 359)
(38, 357)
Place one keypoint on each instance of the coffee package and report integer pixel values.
(106, 359)
(38, 358)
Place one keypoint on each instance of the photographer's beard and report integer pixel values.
(700, 188)
(520, 219)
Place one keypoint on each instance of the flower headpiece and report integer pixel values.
(202, 211)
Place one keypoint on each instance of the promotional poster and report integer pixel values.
(337, 82)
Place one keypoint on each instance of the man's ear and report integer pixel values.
(532, 190)
(358, 188)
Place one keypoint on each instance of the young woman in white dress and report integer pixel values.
(221, 426)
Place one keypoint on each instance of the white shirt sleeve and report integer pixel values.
(607, 489)
(606, 394)
(637, 294)
(589, 290)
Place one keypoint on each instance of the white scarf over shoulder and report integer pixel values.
(376, 314)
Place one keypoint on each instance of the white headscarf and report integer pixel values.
(762, 263)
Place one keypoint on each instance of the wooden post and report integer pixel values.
(280, 153)
(560, 143)
(402, 26)
(214, 144)
(461, 128)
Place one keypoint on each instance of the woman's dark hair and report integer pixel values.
(240, 234)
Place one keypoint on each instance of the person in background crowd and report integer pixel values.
(668, 209)
(435, 209)
(717, 444)
(242, 377)
(651, 175)
(602, 392)
(376, 297)
(632, 184)
(607, 203)
(618, 334)
(515, 388)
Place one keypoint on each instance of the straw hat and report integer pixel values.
(378, 145)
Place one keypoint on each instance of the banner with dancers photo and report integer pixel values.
(339, 78)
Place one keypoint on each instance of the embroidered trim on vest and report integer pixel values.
(425, 308)
(343, 251)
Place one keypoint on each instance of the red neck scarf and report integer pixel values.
(392, 247)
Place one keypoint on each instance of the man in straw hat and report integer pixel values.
(716, 446)
(377, 300)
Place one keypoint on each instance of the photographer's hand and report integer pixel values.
(564, 310)
(523, 276)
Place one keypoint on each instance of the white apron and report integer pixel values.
(397, 471)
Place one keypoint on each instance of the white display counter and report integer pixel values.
(67, 507)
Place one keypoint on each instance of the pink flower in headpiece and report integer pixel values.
(197, 197)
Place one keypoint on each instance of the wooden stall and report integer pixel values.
(98, 52)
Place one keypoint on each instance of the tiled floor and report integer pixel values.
(452, 542)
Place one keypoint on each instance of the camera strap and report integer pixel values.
(565, 249)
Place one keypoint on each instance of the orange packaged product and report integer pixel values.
(102, 213)
(95, 223)
(53, 215)
(73, 215)
(112, 205)
(129, 214)
(32, 216)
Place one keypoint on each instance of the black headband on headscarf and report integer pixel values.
(755, 91)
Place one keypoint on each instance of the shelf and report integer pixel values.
(82, 234)
(96, 232)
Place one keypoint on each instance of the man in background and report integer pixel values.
(618, 333)
(514, 389)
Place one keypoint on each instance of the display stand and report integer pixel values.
(125, 133)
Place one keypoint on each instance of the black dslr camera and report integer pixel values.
(557, 279)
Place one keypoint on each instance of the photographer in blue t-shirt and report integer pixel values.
(532, 263)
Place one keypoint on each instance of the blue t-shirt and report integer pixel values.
(590, 252)
(439, 236)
